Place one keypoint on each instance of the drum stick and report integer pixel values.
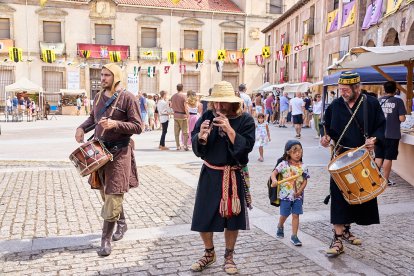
(351, 153)
(285, 180)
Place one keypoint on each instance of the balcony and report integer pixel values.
(5, 44)
(58, 48)
(192, 55)
(101, 51)
(154, 53)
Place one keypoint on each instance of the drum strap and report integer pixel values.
(346, 127)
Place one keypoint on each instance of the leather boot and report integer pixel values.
(121, 228)
(107, 230)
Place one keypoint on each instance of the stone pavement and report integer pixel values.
(50, 219)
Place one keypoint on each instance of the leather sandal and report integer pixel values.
(208, 259)
(349, 237)
(336, 248)
(229, 265)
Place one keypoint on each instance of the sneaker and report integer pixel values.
(295, 240)
(280, 233)
(391, 183)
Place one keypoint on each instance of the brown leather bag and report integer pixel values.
(95, 181)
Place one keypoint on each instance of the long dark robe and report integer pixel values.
(336, 117)
(120, 174)
(219, 151)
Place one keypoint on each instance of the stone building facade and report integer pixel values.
(84, 34)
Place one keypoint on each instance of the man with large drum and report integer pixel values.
(347, 132)
(116, 117)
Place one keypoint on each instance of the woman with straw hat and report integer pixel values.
(223, 137)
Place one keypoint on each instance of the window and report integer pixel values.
(311, 22)
(287, 33)
(191, 82)
(4, 28)
(230, 41)
(343, 46)
(191, 39)
(232, 78)
(103, 34)
(6, 78)
(269, 39)
(147, 84)
(336, 4)
(95, 81)
(296, 24)
(295, 61)
(310, 62)
(267, 78)
(149, 38)
(53, 79)
(52, 32)
(275, 6)
(275, 67)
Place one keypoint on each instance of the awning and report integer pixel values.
(359, 57)
(72, 91)
(290, 87)
(371, 76)
(273, 87)
(24, 85)
(263, 86)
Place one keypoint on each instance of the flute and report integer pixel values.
(203, 138)
(284, 180)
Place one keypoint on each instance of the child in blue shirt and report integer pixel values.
(291, 192)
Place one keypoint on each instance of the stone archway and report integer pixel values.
(391, 39)
(410, 37)
(370, 43)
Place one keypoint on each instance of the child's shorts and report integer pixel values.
(288, 207)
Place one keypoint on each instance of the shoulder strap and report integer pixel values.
(365, 110)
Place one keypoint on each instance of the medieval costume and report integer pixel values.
(119, 175)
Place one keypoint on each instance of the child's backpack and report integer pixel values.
(274, 191)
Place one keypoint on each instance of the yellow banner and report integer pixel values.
(15, 54)
(48, 56)
(266, 51)
(351, 17)
(221, 55)
(392, 6)
(114, 56)
(332, 24)
(286, 49)
(172, 57)
(199, 56)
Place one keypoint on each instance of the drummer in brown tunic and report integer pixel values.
(363, 129)
(115, 128)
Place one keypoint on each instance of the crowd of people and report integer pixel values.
(222, 130)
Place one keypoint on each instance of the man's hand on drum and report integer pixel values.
(370, 143)
(107, 123)
(325, 140)
(79, 135)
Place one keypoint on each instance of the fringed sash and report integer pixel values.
(228, 206)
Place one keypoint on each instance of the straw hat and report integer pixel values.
(223, 92)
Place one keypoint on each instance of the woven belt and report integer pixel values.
(228, 206)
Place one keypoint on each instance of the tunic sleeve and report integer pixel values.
(244, 141)
(133, 124)
(198, 149)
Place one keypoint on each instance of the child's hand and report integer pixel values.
(269, 139)
(296, 195)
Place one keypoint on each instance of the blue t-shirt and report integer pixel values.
(142, 102)
(284, 103)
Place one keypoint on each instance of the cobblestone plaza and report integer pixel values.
(50, 220)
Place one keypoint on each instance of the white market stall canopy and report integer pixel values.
(24, 85)
(72, 91)
(262, 87)
(359, 57)
(290, 87)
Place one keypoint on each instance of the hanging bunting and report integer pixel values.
(221, 55)
(266, 51)
(42, 3)
(240, 62)
(175, 2)
(85, 53)
(332, 24)
(282, 75)
(182, 68)
(304, 71)
(282, 39)
(279, 55)
(348, 14)
(199, 56)
(151, 71)
(392, 7)
(259, 60)
(136, 71)
(286, 49)
(244, 50)
(15, 54)
(48, 56)
(172, 57)
(219, 65)
(114, 56)
(166, 69)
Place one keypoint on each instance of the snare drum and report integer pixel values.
(357, 176)
(90, 156)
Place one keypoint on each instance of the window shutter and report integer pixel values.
(103, 34)
(4, 28)
(52, 32)
(148, 37)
